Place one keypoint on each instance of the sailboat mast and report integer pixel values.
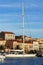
(23, 23)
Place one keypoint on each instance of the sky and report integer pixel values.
(11, 17)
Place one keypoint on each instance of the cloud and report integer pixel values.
(26, 5)
(10, 14)
(11, 5)
(5, 19)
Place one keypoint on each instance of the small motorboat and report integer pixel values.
(39, 54)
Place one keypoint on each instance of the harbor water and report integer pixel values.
(23, 61)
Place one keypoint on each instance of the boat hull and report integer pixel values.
(2, 58)
(25, 55)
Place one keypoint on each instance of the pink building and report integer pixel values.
(2, 42)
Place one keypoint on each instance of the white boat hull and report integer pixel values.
(25, 55)
(2, 58)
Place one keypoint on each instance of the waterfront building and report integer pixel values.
(27, 45)
(40, 40)
(7, 35)
(26, 38)
(2, 42)
(12, 44)
(35, 45)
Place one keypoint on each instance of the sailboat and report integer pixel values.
(23, 54)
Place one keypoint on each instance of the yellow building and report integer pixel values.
(35, 45)
(40, 40)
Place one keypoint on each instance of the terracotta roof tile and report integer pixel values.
(7, 32)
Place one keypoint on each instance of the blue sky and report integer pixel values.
(11, 17)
